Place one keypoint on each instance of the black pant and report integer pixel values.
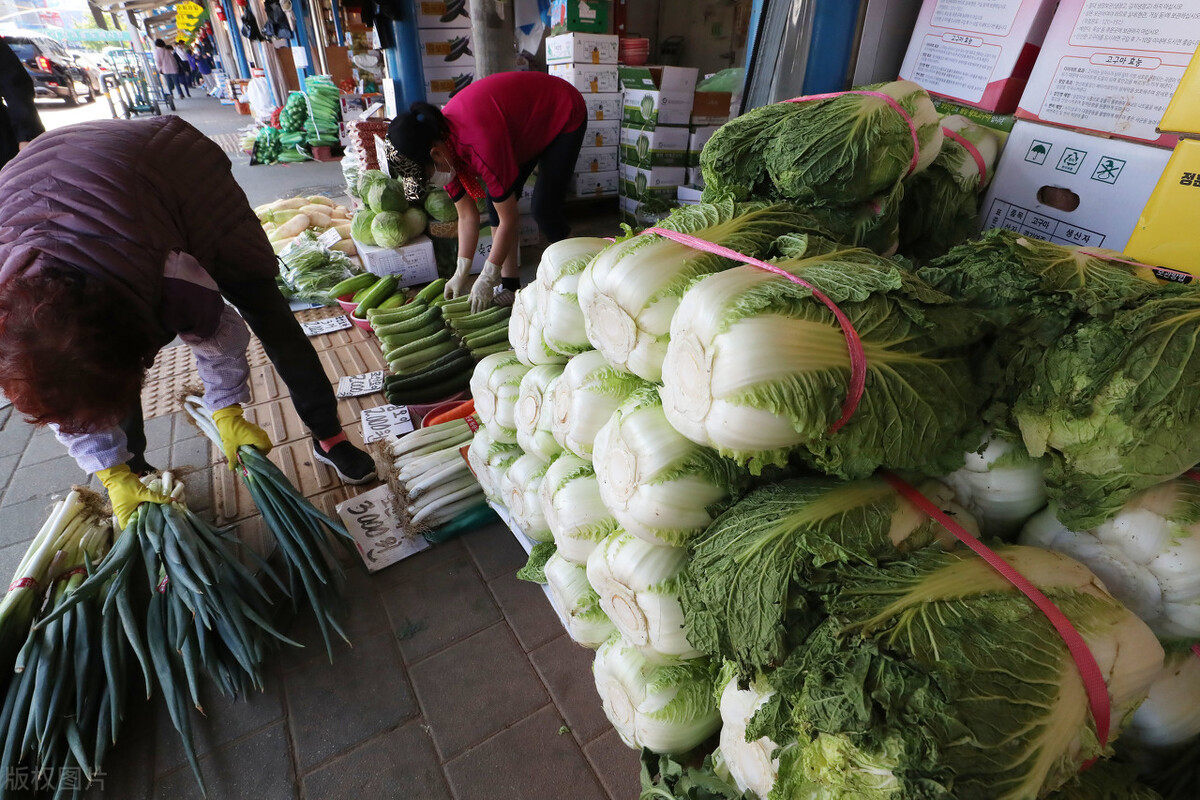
(291, 352)
(556, 165)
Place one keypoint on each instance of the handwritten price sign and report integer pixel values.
(380, 539)
(358, 385)
(383, 421)
(327, 325)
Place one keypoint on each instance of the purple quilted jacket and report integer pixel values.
(115, 198)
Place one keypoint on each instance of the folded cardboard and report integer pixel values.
(642, 184)
(411, 264)
(594, 184)
(453, 14)
(603, 133)
(442, 83)
(446, 47)
(1183, 114)
(583, 16)
(597, 159)
(581, 48)
(588, 78)
(977, 52)
(696, 140)
(1070, 187)
(1165, 234)
(1112, 67)
(603, 107)
(660, 146)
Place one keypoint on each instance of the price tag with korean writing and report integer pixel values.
(327, 325)
(329, 238)
(383, 421)
(358, 385)
(380, 538)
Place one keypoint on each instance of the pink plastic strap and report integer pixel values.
(23, 583)
(66, 576)
(973, 150)
(162, 585)
(1089, 670)
(912, 126)
(858, 358)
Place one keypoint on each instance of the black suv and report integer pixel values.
(54, 70)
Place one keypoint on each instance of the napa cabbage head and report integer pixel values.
(577, 603)
(534, 414)
(745, 591)
(558, 278)
(495, 387)
(838, 151)
(571, 503)
(758, 368)
(629, 292)
(586, 394)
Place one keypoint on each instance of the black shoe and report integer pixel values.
(352, 465)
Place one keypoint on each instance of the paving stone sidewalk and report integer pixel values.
(460, 683)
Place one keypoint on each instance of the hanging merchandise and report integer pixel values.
(277, 26)
(250, 27)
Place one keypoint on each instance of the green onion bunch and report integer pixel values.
(303, 534)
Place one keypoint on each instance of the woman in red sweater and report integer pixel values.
(488, 139)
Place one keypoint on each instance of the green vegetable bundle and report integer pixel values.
(325, 112)
(309, 270)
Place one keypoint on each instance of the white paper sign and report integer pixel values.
(327, 325)
(383, 421)
(380, 539)
(329, 238)
(358, 385)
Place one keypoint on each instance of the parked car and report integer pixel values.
(96, 68)
(54, 70)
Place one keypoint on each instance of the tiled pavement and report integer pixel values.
(460, 683)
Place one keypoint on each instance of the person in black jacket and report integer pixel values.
(19, 121)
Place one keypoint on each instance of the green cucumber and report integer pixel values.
(409, 324)
(396, 340)
(460, 354)
(360, 294)
(381, 291)
(490, 349)
(430, 393)
(417, 345)
(432, 291)
(486, 337)
(436, 372)
(353, 285)
(398, 314)
(422, 357)
(395, 301)
(483, 319)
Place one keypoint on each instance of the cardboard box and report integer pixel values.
(688, 195)
(695, 178)
(1070, 187)
(1112, 67)
(711, 108)
(633, 215)
(603, 107)
(978, 52)
(603, 133)
(442, 15)
(661, 146)
(1165, 235)
(581, 48)
(528, 233)
(1183, 114)
(696, 141)
(658, 95)
(446, 47)
(642, 184)
(483, 248)
(594, 184)
(442, 83)
(597, 159)
(663, 79)
(582, 16)
(411, 264)
(588, 78)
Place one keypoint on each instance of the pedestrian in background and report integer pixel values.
(185, 68)
(204, 66)
(19, 121)
(168, 67)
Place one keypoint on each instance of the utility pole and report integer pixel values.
(493, 36)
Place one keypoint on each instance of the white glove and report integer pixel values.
(457, 285)
(482, 293)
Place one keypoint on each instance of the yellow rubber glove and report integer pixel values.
(236, 431)
(126, 492)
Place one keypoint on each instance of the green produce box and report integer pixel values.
(578, 16)
(657, 95)
(643, 184)
(700, 136)
(660, 146)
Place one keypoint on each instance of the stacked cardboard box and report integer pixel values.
(447, 53)
(589, 62)
(655, 135)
